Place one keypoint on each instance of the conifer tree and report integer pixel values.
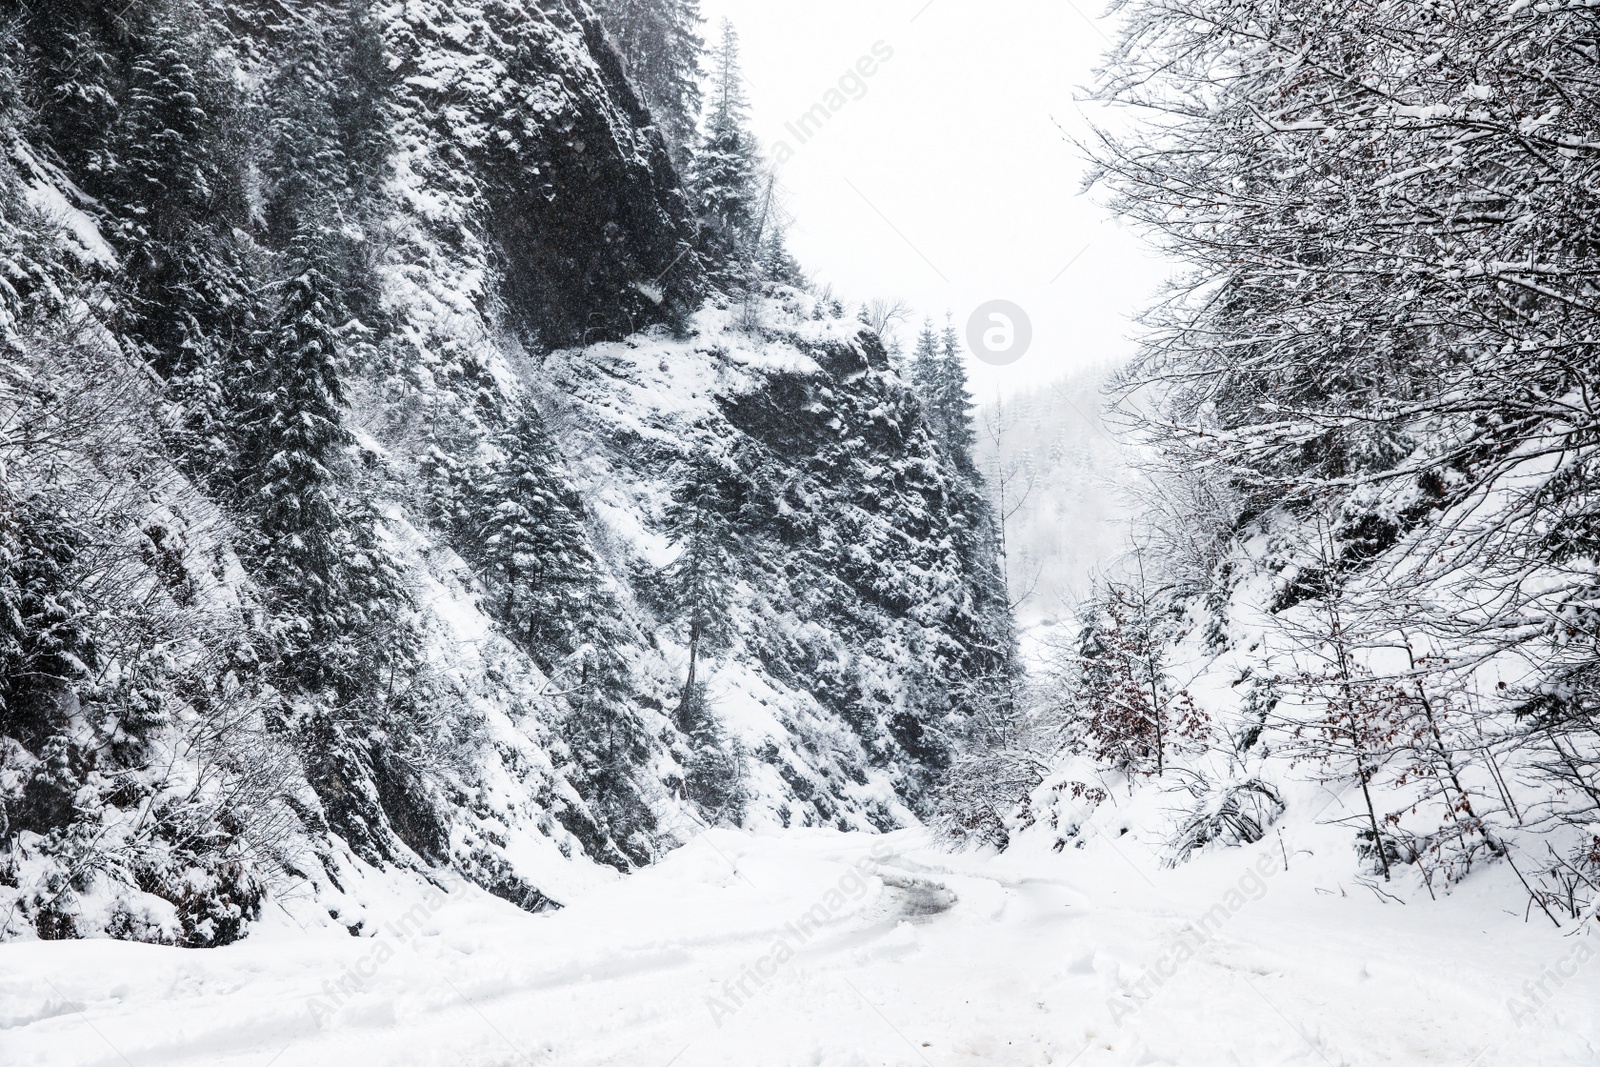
(725, 184)
(380, 646)
(297, 431)
(1129, 712)
(925, 369)
(778, 266)
(953, 401)
(533, 548)
(44, 639)
(714, 776)
(939, 376)
(160, 158)
(148, 122)
(698, 581)
(607, 740)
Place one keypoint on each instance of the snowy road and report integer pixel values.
(825, 949)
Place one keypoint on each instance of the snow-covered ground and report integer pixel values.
(818, 948)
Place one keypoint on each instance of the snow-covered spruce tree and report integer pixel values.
(924, 368)
(939, 375)
(609, 743)
(698, 591)
(699, 582)
(346, 649)
(730, 196)
(714, 777)
(338, 604)
(661, 44)
(952, 402)
(1388, 212)
(512, 516)
(778, 266)
(520, 526)
(531, 547)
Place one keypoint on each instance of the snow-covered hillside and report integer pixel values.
(385, 487)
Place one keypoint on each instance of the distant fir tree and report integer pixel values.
(661, 44)
(608, 741)
(293, 441)
(699, 583)
(729, 196)
(939, 376)
(778, 266)
(925, 370)
(532, 548)
(953, 400)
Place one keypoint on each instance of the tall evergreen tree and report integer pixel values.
(953, 400)
(698, 581)
(296, 434)
(533, 549)
(925, 370)
(726, 185)
(778, 265)
(608, 742)
(661, 44)
(939, 376)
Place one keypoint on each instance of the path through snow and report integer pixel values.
(813, 948)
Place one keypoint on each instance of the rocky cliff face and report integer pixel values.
(515, 124)
(355, 359)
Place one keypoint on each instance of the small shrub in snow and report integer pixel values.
(1237, 814)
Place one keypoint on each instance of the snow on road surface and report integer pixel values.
(816, 948)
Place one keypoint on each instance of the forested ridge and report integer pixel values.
(419, 451)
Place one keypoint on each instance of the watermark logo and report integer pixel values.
(999, 333)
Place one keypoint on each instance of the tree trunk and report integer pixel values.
(686, 703)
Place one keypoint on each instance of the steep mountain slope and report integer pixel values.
(861, 591)
(350, 400)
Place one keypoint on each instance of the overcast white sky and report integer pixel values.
(949, 182)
